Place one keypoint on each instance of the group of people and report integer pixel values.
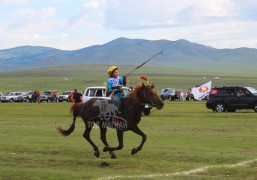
(239, 93)
(179, 95)
(34, 96)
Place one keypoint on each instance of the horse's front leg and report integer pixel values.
(144, 137)
(120, 139)
(103, 138)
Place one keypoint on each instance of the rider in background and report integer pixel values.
(114, 86)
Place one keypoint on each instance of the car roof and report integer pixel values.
(96, 87)
(102, 87)
(220, 87)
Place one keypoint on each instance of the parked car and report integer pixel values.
(66, 96)
(100, 92)
(13, 97)
(168, 93)
(232, 98)
(46, 96)
(1, 94)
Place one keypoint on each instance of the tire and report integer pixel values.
(255, 107)
(11, 100)
(220, 107)
(163, 99)
(231, 110)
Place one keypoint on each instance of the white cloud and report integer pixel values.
(218, 35)
(92, 13)
(47, 12)
(15, 1)
(135, 14)
(25, 12)
(218, 23)
(34, 13)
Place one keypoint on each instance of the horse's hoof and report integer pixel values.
(134, 151)
(97, 154)
(113, 156)
(105, 149)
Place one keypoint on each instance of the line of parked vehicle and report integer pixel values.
(31, 96)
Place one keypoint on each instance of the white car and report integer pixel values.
(14, 97)
(99, 92)
(66, 96)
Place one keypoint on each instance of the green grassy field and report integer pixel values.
(84, 75)
(181, 137)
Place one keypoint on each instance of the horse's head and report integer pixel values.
(147, 95)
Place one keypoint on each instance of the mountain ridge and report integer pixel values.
(177, 53)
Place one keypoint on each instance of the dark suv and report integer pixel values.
(230, 99)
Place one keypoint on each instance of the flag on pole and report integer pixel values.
(202, 91)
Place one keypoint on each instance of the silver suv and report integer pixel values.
(168, 93)
(14, 97)
(66, 96)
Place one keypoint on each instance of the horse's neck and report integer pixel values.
(135, 107)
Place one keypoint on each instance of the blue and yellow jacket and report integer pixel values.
(114, 85)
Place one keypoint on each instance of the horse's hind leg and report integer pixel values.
(103, 138)
(86, 135)
(139, 132)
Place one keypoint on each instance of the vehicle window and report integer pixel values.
(92, 92)
(99, 93)
(221, 92)
(86, 94)
(230, 92)
(240, 92)
(247, 92)
(252, 90)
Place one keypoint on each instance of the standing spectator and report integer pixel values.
(188, 98)
(77, 96)
(178, 95)
(182, 95)
(52, 96)
(38, 97)
(72, 97)
(30, 97)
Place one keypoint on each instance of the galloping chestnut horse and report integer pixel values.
(132, 107)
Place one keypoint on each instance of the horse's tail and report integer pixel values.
(75, 108)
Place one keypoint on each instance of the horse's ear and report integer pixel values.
(153, 86)
(143, 85)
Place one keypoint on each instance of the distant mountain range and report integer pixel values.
(180, 53)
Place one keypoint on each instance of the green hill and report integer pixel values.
(180, 53)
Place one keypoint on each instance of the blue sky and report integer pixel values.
(74, 24)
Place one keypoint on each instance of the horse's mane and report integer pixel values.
(133, 96)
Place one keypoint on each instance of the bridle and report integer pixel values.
(151, 104)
